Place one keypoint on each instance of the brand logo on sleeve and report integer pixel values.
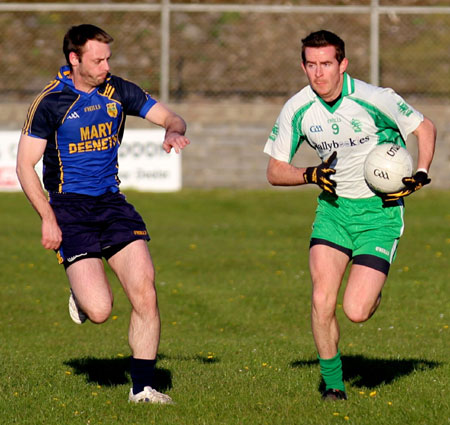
(404, 109)
(274, 133)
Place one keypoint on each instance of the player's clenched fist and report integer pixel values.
(320, 175)
(412, 184)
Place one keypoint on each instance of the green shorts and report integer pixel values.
(364, 229)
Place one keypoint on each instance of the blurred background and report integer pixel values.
(227, 67)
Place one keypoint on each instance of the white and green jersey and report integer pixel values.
(363, 117)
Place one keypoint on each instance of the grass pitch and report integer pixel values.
(236, 345)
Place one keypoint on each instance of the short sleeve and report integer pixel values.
(135, 101)
(279, 143)
(405, 116)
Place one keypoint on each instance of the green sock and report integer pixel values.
(331, 370)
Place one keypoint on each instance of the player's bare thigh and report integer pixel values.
(91, 288)
(133, 266)
(327, 267)
(362, 293)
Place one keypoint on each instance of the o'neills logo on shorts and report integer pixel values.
(382, 250)
(72, 259)
(140, 232)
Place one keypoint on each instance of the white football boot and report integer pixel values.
(76, 314)
(149, 395)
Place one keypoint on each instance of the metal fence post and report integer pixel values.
(375, 43)
(165, 51)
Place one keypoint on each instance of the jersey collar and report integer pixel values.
(64, 77)
(348, 87)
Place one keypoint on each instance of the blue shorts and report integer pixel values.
(95, 226)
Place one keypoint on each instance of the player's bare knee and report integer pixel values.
(323, 302)
(322, 314)
(98, 317)
(148, 308)
(358, 318)
(357, 313)
(100, 313)
(145, 302)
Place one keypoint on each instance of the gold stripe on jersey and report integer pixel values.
(116, 101)
(35, 104)
(61, 171)
(109, 91)
(64, 74)
(70, 108)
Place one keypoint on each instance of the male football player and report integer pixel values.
(343, 119)
(77, 124)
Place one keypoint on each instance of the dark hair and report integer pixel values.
(77, 36)
(324, 38)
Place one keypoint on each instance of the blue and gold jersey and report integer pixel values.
(83, 132)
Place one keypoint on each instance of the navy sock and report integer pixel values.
(142, 373)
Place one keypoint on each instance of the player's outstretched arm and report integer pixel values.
(175, 127)
(29, 153)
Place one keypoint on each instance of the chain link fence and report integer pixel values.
(239, 54)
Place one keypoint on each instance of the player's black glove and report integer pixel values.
(320, 175)
(412, 184)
